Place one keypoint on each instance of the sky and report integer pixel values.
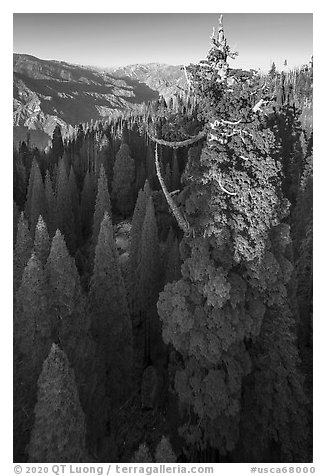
(118, 39)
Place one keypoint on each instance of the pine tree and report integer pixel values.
(123, 180)
(272, 71)
(37, 206)
(31, 346)
(87, 204)
(164, 452)
(59, 429)
(19, 179)
(148, 270)
(65, 217)
(33, 170)
(102, 205)
(111, 321)
(41, 241)
(31, 325)
(148, 275)
(142, 455)
(50, 201)
(70, 322)
(22, 251)
(303, 253)
(57, 144)
(135, 240)
(15, 222)
(74, 200)
(64, 293)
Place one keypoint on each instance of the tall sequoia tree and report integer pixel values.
(123, 180)
(59, 429)
(220, 316)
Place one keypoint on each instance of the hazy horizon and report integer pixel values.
(114, 39)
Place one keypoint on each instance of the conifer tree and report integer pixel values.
(234, 271)
(142, 455)
(59, 429)
(87, 203)
(15, 222)
(69, 320)
(29, 192)
(123, 180)
(140, 176)
(303, 252)
(164, 452)
(19, 180)
(135, 240)
(32, 330)
(50, 201)
(41, 241)
(37, 205)
(31, 346)
(111, 321)
(65, 298)
(102, 205)
(148, 274)
(57, 144)
(148, 271)
(74, 200)
(64, 212)
(22, 251)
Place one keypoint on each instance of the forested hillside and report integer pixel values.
(163, 277)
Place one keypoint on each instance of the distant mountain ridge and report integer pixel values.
(50, 92)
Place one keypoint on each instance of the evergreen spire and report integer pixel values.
(41, 241)
(37, 205)
(59, 429)
(65, 217)
(102, 205)
(87, 203)
(135, 241)
(123, 180)
(111, 321)
(22, 251)
(50, 205)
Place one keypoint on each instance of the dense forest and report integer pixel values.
(163, 277)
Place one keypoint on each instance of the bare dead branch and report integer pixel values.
(222, 188)
(181, 220)
(177, 144)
